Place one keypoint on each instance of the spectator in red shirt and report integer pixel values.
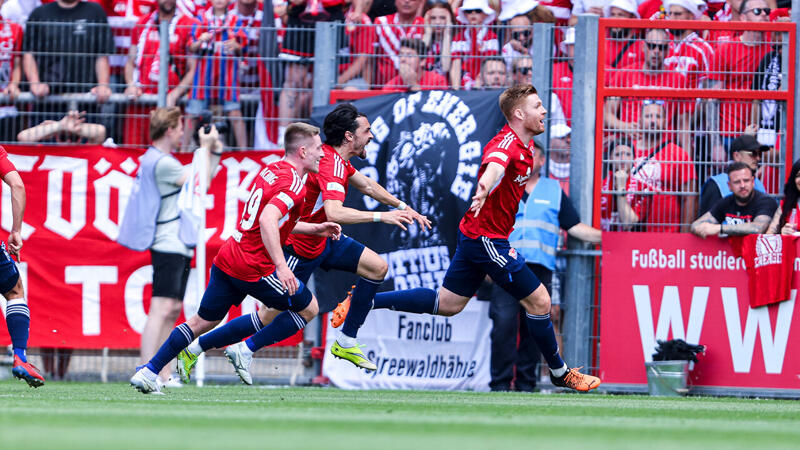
(628, 205)
(10, 76)
(623, 45)
(413, 76)
(438, 38)
(688, 54)
(665, 169)
(732, 68)
(475, 42)
(219, 40)
(355, 72)
(391, 29)
(623, 113)
(143, 65)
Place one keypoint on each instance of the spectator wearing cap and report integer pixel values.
(493, 74)
(623, 45)
(732, 68)
(563, 73)
(413, 76)
(688, 54)
(623, 113)
(543, 212)
(475, 42)
(520, 39)
(665, 168)
(745, 211)
(744, 148)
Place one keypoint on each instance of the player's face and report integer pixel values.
(312, 154)
(741, 183)
(533, 114)
(362, 137)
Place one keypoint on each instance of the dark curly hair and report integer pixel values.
(341, 120)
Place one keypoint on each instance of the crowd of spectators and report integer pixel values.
(222, 50)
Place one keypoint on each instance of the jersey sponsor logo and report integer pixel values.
(769, 250)
(522, 179)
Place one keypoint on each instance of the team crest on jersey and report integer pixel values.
(769, 250)
(512, 253)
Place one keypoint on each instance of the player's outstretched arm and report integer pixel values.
(18, 199)
(325, 229)
(488, 181)
(339, 213)
(370, 187)
(271, 237)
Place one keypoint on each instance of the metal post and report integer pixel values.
(163, 62)
(579, 286)
(542, 74)
(324, 61)
(796, 122)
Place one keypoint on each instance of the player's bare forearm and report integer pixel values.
(18, 199)
(306, 228)
(271, 235)
(343, 215)
(757, 226)
(370, 187)
(487, 182)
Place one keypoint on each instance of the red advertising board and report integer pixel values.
(85, 290)
(665, 286)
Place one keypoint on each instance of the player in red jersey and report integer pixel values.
(483, 247)
(251, 261)
(18, 316)
(347, 133)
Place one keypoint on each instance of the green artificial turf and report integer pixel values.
(78, 415)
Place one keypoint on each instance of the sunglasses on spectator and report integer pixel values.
(759, 11)
(654, 46)
(523, 70)
(653, 102)
(472, 11)
(752, 153)
(520, 35)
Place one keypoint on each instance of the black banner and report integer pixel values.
(427, 150)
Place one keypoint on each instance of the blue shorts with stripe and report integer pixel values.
(342, 254)
(9, 274)
(225, 291)
(476, 258)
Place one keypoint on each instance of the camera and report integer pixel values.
(205, 121)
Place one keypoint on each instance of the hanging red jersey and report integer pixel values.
(769, 259)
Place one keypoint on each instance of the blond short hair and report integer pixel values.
(296, 133)
(513, 96)
(162, 119)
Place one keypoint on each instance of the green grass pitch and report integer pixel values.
(114, 416)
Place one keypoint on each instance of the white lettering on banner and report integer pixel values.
(78, 168)
(23, 164)
(380, 129)
(90, 278)
(417, 267)
(670, 316)
(134, 297)
(236, 190)
(405, 107)
(773, 347)
(452, 353)
(102, 201)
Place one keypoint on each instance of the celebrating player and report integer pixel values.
(18, 316)
(483, 246)
(347, 132)
(251, 261)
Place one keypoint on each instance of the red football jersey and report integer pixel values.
(10, 48)
(769, 259)
(329, 184)
(390, 32)
(243, 255)
(690, 57)
(496, 218)
(472, 46)
(252, 29)
(5, 165)
(145, 38)
(636, 78)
